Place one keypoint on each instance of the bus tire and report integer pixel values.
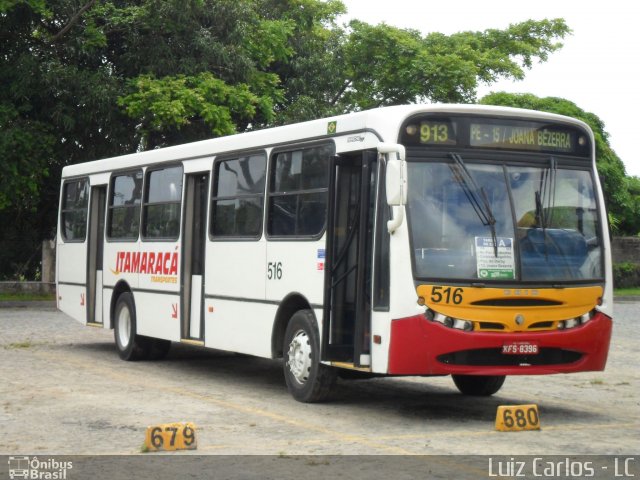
(130, 345)
(478, 385)
(308, 380)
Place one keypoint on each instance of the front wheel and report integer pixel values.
(307, 379)
(478, 385)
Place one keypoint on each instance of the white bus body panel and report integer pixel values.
(107, 294)
(157, 315)
(99, 312)
(403, 298)
(301, 264)
(112, 273)
(196, 306)
(199, 165)
(72, 279)
(236, 269)
(237, 326)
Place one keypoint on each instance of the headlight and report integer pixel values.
(449, 321)
(576, 322)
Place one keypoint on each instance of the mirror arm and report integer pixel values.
(396, 221)
(393, 148)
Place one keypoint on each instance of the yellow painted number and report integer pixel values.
(511, 418)
(440, 294)
(171, 436)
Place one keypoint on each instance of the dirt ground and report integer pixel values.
(64, 390)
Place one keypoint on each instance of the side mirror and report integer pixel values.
(396, 174)
(396, 182)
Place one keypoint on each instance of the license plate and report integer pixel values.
(520, 348)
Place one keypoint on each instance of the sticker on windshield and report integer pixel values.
(490, 266)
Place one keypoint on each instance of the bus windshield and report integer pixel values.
(503, 222)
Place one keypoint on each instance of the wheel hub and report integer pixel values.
(299, 361)
(124, 327)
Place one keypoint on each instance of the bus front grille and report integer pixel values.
(495, 357)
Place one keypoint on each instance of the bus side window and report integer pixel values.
(298, 192)
(238, 197)
(162, 202)
(75, 200)
(124, 206)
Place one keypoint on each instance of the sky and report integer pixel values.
(598, 68)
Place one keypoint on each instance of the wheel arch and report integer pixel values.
(288, 306)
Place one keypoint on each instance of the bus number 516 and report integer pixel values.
(274, 270)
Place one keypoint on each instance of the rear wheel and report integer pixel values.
(478, 385)
(129, 344)
(307, 379)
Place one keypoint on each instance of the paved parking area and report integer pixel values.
(65, 391)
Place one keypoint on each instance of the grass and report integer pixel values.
(23, 344)
(26, 297)
(627, 291)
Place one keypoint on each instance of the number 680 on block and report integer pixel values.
(513, 418)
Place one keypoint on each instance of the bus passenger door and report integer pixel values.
(347, 302)
(193, 247)
(95, 255)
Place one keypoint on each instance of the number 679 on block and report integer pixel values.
(171, 436)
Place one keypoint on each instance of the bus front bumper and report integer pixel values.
(422, 347)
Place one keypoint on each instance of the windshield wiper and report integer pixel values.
(545, 198)
(476, 195)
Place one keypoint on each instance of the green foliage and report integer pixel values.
(626, 275)
(37, 6)
(27, 147)
(177, 102)
(622, 193)
(370, 66)
(624, 292)
(26, 297)
(89, 79)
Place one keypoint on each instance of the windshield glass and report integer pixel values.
(549, 232)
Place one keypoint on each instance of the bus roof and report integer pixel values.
(385, 121)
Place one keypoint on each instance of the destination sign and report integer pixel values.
(522, 137)
(494, 133)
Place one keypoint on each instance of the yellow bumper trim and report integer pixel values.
(516, 309)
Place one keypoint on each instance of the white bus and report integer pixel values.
(410, 240)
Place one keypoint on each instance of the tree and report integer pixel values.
(89, 79)
(83, 81)
(622, 193)
(370, 66)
